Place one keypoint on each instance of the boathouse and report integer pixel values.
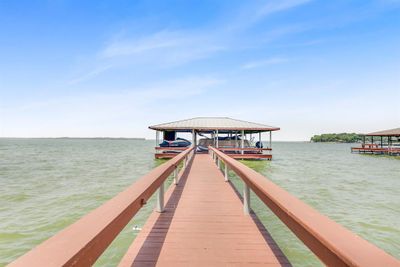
(237, 138)
(385, 142)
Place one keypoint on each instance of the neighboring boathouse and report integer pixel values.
(385, 142)
(237, 138)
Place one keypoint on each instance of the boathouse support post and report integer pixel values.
(226, 172)
(160, 199)
(242, 142)
(236, 139)
(270, 139)
(246, 199)
(193, 138)
(216, 142)
(157, 138)
(259, 140)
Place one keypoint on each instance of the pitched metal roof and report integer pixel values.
(391, 132)
(213, 123)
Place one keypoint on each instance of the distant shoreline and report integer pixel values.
(337, 138)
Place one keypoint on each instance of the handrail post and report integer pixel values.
(226, 172)
(160, 198)
(246, 199)
(176, 176)
(218, 162)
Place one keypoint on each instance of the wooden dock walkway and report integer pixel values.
(203, 225)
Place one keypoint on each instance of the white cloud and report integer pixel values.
(156, 41)
(169, 48)
(279, 6)
(265, 62)
(91, 74)
(161, 49)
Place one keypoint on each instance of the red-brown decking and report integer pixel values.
(235, 156)
(376, 150)
(203, 225)
(250, 153)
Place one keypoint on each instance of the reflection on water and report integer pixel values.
(47, 184)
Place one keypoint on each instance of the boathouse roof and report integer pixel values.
(391, 132)
(213, 123)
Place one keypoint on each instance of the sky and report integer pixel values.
(112, 68)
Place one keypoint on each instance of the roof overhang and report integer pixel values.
(391, 132)
(212, 124)
(220, 130)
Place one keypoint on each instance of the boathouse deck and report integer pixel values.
(204, 223)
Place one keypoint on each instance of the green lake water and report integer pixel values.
(47, 184)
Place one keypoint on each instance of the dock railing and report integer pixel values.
(245, 149)
(82, 243)
(333, 244)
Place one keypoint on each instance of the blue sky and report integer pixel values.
(112, 68)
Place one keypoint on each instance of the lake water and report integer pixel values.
(47, 184)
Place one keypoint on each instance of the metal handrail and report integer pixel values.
(333, 244)
(82, 243)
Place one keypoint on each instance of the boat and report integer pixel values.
(179, 142)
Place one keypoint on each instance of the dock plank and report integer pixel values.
(203, 225)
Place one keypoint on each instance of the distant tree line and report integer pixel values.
(337, 137)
